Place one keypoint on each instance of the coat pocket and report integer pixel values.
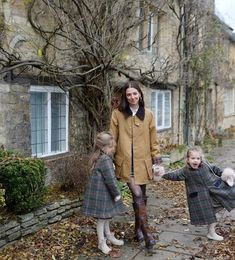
(118, 165)
(148, 166)
(193, 194)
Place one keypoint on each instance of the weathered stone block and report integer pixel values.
(29, 223)
(53, 206)
(12, 230)
(26, 217)
(55, 219)
(62, 209)
(40, 211)
(11, 224)
(3, 243)
(68, 213)
(65, 202)
(14, 236)
(51, 214)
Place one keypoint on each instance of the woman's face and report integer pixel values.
(132, 96)
(194, 160)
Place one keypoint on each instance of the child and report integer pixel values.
(206, 192)
(102, 199)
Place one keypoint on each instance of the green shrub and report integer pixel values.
(24, 182)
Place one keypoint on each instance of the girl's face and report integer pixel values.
(111, 148)
(132, 96)
(194, 159)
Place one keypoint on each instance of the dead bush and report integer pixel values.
(73, 173)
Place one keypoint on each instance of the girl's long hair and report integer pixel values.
(101, 145)
(124, 105)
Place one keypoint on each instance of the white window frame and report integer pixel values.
(49, 90)
(229, 101)
(150, 25)
(145, 44)
(154, 108)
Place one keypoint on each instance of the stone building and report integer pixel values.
(38, 119)
(229, 90)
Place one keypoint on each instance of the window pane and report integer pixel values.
(38, 105)
(167, 110)
(58, 122)
(159, 109)
(149, 33)
(229, 106)
(153, 102)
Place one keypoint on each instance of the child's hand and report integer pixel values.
(228, 176)
(117, 198)
(158, 172)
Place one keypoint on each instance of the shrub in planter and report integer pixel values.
(24, 182)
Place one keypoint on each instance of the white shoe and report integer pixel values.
(114, 240)
(215, 236)
(212, 234)
(103, 247)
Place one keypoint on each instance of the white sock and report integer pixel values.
(110, 236)
(101, 239)
(212, 233)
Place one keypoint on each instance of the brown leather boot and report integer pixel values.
(148, 237)
(138, 232)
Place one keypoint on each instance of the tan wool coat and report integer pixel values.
(145, 145)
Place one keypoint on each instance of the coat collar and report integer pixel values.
(140, 113)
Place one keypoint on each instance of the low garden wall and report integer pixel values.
(30, 223)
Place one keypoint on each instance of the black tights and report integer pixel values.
(138, 191)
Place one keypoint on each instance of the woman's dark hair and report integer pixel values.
(124, 105)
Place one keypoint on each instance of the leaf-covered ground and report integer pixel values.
(75, 237)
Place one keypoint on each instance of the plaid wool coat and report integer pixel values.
(102, 188)
(202, 186)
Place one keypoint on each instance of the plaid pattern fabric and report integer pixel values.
(202, 187)
(102, 188)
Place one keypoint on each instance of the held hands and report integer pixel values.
(158, 172)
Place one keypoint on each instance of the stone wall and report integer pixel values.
(30, 223)
(15, 118)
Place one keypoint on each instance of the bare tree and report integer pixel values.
(83, 43)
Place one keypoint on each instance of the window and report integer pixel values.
(49, 120)
(161, 106)
(229, 101)
(146, 28)
(150, 32)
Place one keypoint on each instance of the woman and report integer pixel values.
(133, 127)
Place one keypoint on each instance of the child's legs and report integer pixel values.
(107, 227)
(110, 236)
(100, 234)
(100, 229)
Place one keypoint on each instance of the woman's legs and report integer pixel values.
(139, 203)
(100, 234)
(110, 236)
(137, 191)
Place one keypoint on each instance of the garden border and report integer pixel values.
(31, 222)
